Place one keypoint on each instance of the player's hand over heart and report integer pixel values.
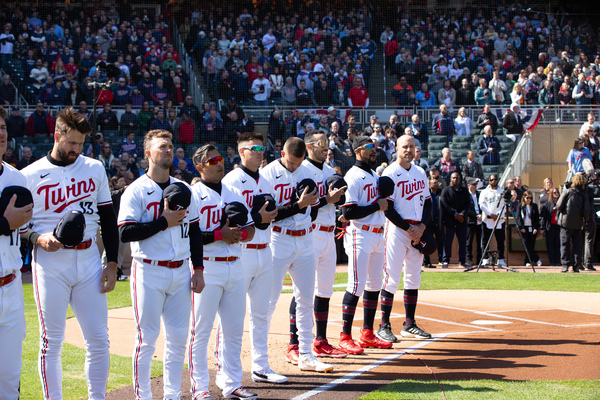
(334, 195)
(306, 199)
(17, 216)
(415, 232)
(108, 277)
(174, 218)
(198, 281)
(49, 242)
(231, 235)
(267, 216)
(383, 204)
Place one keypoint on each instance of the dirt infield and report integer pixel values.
(478, 334)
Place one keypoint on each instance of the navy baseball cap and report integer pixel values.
(24, 197)
(427, 245)
(386, 187)
(336, 181)
(258, 203)
(178, 195)
(70, 229)
(237, 213)
(303, 184)
(360, 142)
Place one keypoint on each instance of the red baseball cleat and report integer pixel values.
(322, 348)
(368, 339)
(348, 345)
(292, 354)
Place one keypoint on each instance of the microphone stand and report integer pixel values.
(95, 85)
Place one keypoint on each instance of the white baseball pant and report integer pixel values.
(12, 334)
(365, 252)
(325, 261)
(160, 293)
(224, 295)
(60, 278)
(296, 256)
(399, 255)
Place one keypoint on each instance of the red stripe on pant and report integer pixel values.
(44, 348)
(355, 262)
(192, 334)
(139, 330)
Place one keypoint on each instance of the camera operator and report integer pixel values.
(574, 210)
(491, 203)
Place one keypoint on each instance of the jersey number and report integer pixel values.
(86, 207)
(421, 200)
(184, 230)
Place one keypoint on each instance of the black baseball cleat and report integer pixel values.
(414, 330)
(590, 268)
(242, 393)
(385, 333)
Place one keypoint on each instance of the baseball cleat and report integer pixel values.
(203, 396)
(501, 263)
(292, 354)
(322, 348)
(413, 329)
(385, 333)
(349, 345)
(242, 393)
(591, 268)
(368, 339)
(308, 362)
(268, 376)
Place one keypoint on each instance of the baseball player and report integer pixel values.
(61, 182)
(323, 242)
(408, 212)
(256, 254)
(12, 311)
(292, 248)
(162, 241)
(364, 244)
(224, 293)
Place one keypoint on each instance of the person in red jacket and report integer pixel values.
(358, 97)
(185, 130)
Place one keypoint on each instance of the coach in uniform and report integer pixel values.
(12, 311)
(162, 239)
(224, 275)
(364, 244)
(408, 212)
(62, 182)
(256, 254)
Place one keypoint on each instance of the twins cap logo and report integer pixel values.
(258, 202)
(178, 195)
(237, 213)
(336, 181)
(71, 228)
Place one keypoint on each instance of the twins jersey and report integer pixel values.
(250, 187)
(210, 211)
(10, 261)
(410, 190)
(326, 215)
(140, 203)
(283, 183)
(363, 190)
(81, 186)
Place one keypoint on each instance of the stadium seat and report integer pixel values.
(437, 139)
(462, 139)
(435, 146)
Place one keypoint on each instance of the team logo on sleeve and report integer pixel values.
(54, 196)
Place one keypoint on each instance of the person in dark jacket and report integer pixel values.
(472, 169)
(455, 205)
(528, 222)
(443, 123)
(40, 123)
(590, 227)
(489, 148)
(474, 222)
(107, 119)
(435, 226)
(550, 228)
(15, 124)
(574, 210)
(513, 122)
(487, 118)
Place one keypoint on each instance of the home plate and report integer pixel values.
(489, 322)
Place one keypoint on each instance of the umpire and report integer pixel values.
(574, 210)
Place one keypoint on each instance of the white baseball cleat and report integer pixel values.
(268, 376)
(501, 262)
(308, 362)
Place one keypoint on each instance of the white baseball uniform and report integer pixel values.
(12, 309)
(258, 271)
(69, 276)
(158, 291)
(410, 193)
(323, 233)
(223, 294)
(292, 250)
(363, 241)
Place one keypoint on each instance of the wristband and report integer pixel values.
(218, 235)
(199, 267)
(244, 234)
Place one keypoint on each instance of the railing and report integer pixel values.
(184, 59)
(521, 159)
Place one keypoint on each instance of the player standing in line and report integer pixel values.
(256, 255)
(162, 240)
(64, 181)
(408, 212)
(224, 293)
(292, 247)
(12, 311)
(323, 226)
(364, 245)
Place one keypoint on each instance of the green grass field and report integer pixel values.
(74, 384)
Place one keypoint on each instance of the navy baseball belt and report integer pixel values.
(167, 264)
(220, 259)
(81, 246)
(254, 246)
(290, 232)
(323, 228)
(5, 280)
(412, 222)
(373, 229)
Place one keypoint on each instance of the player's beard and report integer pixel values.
(67, 157)
(165, 164)
(373, 159)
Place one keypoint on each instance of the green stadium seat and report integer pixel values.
(435, 146)
(462, 139)
(437, 139)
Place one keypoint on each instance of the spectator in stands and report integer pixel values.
(408, 131)
(497, 88)
(121, 93)
(129, 121)
(488, 148)
(472, 169)
(420, 162)
(401, 91)
(332, 117)
(58, 94)
(9, 157)
(228, 108)
(212, 129)
(131, 146)
(443, 124)
(185, 128)
(304, 97)
(248, 123)
(276, 127)
(582, 93)
(550, 228)
(487, 118)
(418, 129)
(288, 92)
(15, 124)
(576, 157)
(517, 96)
(8, 94)
(231, 159)
(145, 116)
(447, 95)
(161, 122)
(261, 87)
(159, 94)
(374, 121)
(39, 74)
(40, 123)
(425, 98)
(591, 122)
(26, 159)
(463, 123)
(323, 94)
(180, 156)
(358, 97)
(74, 95)
(446, 165)
(178, 91)
(106, 155)
(464, 95)
(482, 94)
(190, 107)
(340, 95)
(107, 119)
(45, 94)
(455, 201)
(513, 123)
